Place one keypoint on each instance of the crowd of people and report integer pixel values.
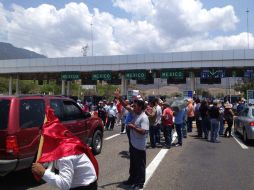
(208, 116)
(138, 119)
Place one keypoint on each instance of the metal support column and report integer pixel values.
(17, 85)
(124, 85)
(68, 88)
(10, 85)
(63, 87)
(192, 81)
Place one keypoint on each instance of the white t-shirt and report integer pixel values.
(158, 115)
(138, 141)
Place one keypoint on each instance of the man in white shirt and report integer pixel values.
(158, 121)
(76, 172)
(112, 111)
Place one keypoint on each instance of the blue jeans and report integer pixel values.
(189, 124)
(158, 133)
(205, 124)
(179, 128)
(168, 135)
(184, 129)
(215, 127)
(152, 132)
(221, 127)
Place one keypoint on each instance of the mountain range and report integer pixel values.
(8, 51)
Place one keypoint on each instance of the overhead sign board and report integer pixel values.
(70, 75)
(250, 94)
(177, 74)
(135, 75)
(115, 80)
(174, 76)
(149, 79)
(249, 73)
(102, 76)
(211, 76)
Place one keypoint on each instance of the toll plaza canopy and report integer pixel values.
(154, 61)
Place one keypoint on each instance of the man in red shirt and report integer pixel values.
(167, 122)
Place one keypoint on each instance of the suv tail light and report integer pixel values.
(12, 145)
(252, 124)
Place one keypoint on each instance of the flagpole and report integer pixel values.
(41, 143)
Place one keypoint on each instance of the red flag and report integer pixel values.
(60, 142)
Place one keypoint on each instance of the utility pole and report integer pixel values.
(247, 12)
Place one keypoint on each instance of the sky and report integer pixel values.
(62, 28)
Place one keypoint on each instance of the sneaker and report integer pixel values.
(127, 183)
(178, 144)
(136, 187)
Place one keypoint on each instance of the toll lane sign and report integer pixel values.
(70, 75)
(102, 76)
(172, 74)
(141, 75)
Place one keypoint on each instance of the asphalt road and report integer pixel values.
(198, 164)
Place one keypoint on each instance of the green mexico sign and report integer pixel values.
(70, 75)
(172, 74)
(102, 76)
(136, 75)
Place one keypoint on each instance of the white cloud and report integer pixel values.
(156, 26)
(139, 8)
(218, 43)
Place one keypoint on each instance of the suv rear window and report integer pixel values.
(32, 113)
(4, 113)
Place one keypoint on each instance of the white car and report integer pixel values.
(244, 123)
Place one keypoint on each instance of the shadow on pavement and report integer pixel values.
(125, 154)
(119, 185)
(20, 180)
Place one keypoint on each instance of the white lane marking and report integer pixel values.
(111, 137)
(156, 161)
(240, 142)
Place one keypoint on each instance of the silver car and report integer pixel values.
(244, 123)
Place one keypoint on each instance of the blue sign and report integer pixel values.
(212, 74)
(249, 73)
(188, 94)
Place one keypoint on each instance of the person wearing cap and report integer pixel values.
(229, 116)
(214, 114)
(167, 123)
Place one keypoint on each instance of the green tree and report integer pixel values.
(243, 87)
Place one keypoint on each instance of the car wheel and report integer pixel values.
(245, 137)
(97, 142)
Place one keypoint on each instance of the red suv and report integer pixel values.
(21, 119)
